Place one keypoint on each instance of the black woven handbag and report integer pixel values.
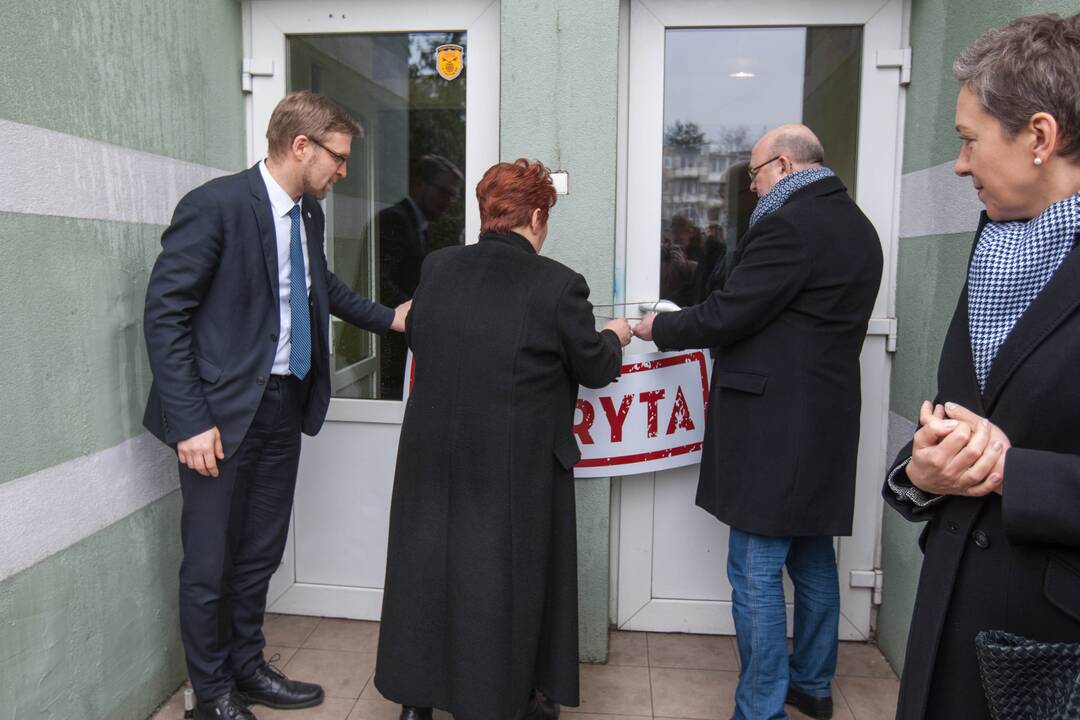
(1028, 680)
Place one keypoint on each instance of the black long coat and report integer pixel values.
(481, 579)
(782, 434)
(1009, 562)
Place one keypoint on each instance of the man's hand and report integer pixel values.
(620, 327)
(398, 325)
(954, 457)
(643, 329)
(201, 453)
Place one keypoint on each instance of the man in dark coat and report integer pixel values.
(404, 240)
(782, 433)
(236, 312)
(480, 605)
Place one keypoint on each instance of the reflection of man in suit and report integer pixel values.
(236, 316)
(404, 241)
(782, 433)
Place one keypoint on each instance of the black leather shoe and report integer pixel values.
(819, 708)
(408, 712)
(229, 706)
(269, 687)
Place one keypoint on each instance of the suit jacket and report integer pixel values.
(1009, 562)
(782, 434)
(481, 601)
(212, 315)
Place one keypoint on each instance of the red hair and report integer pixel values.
(509, 192)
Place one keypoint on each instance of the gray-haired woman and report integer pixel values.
(995, 464)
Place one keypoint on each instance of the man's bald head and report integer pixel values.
(782, 151)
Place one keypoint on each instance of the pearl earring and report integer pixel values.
(1038, 160)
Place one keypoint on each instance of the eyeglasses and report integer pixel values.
(752, 172)
(341, 159)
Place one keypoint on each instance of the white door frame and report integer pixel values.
(877, 190)
(267, 25)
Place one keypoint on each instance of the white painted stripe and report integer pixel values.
(51, 173)
(935, 201)
(50, 510)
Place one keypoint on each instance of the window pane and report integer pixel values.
(402, 196)
(723, 88)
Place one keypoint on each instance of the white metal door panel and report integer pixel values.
(671, 567)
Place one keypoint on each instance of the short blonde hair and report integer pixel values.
(309, 114)
(1031, 65)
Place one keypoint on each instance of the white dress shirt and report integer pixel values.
(282, 204)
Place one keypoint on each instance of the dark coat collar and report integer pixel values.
(509, 238)
(824, 186)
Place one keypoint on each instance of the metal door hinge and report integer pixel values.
(255, 68)
(870, 579)
(886, 327)
(897, 59)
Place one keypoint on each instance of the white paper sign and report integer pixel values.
(652, 418)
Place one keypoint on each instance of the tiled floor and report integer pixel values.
(648, 675)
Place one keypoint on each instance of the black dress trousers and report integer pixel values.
(234, 529)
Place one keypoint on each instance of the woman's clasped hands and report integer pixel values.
(957, 452)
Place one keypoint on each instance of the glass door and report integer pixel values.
(422, 79)
(705, 81)
(403, 195)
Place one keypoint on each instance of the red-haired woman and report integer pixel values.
(480, 607)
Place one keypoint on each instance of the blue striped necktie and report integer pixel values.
(300, 354)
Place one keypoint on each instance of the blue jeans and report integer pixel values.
(755, 569)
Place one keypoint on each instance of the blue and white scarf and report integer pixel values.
(1012, 263)
(783, 189)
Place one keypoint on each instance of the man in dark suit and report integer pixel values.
(782, 433)
(404, 241)
(236, 316)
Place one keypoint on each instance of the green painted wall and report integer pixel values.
(559, 99)
(930, 270)
(940, 29)
(154, 75)
(92, 632)
(157, 76)
(901, 561)
(930, 274)
(77, 375)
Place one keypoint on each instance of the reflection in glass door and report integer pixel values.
(402, 196)
(723, 88)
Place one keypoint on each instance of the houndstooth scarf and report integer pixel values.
(1012, 263)
(783, 189)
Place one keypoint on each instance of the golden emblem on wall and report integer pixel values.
(449, 60)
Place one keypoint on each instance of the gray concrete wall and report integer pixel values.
(939, 214)
(92, 95)
(559, 101)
